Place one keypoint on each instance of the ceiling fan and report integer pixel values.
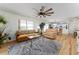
(43, 13)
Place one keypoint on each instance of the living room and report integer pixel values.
(38, 26)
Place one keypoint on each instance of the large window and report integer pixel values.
(30, 25)
(26, 25)
(22, 24)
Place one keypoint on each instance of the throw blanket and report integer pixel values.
(38, 46)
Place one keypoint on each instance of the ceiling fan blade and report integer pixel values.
(42, 8)
(50, 13)
(44, 15)
(49, 10)
(36, 10)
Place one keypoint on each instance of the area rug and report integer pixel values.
(38, 46)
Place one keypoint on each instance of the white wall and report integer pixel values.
(73, 24)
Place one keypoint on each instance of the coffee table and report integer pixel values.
(31, 38)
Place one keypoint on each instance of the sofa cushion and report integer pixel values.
(22, 37)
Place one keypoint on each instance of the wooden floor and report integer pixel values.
(68, 45)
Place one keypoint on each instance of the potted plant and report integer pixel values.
(2, 20)
(41, 27)
(3, 36)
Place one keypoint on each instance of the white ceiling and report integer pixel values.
(61, 10)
